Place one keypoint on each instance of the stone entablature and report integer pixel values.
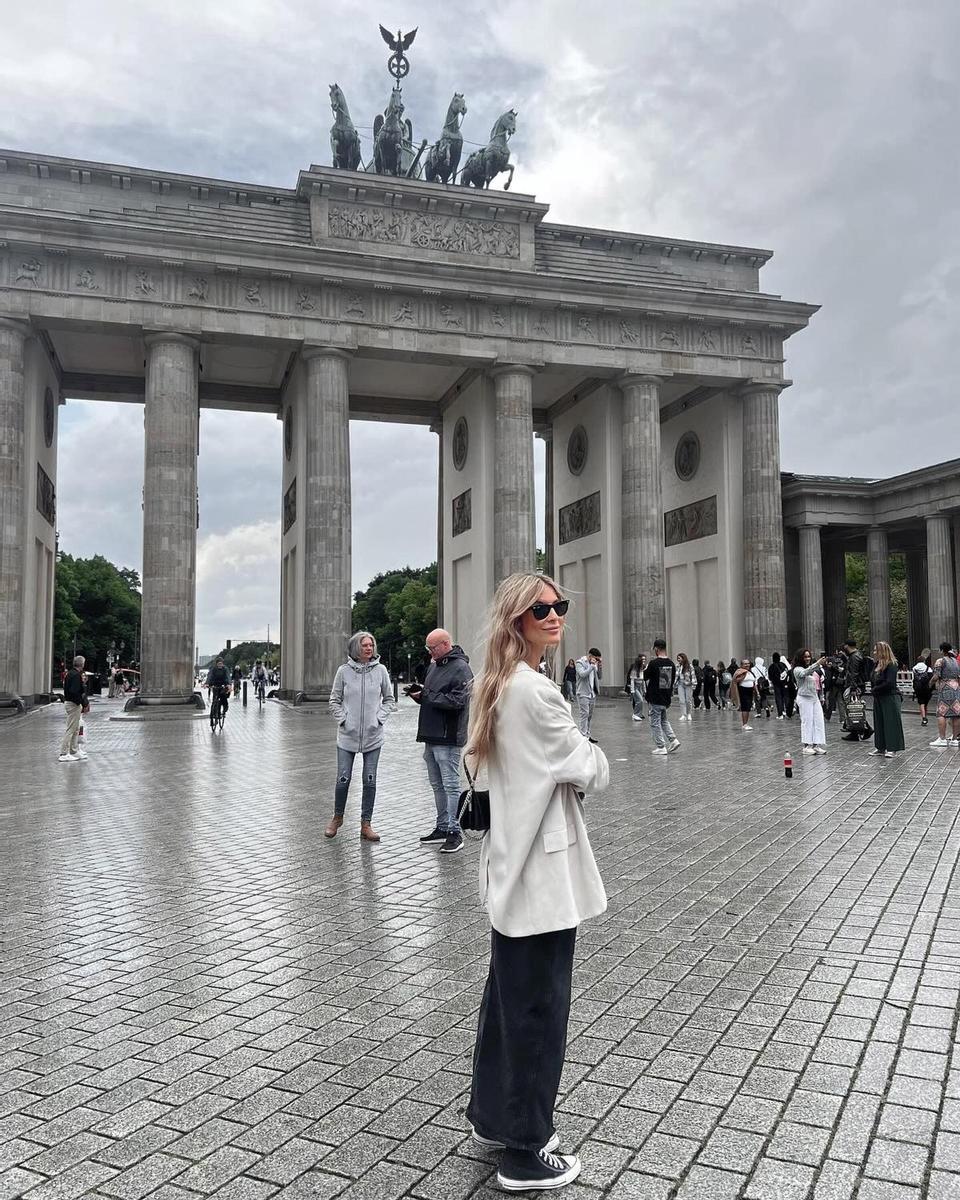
(831, 501)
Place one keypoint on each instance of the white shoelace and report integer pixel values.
(552, 1160)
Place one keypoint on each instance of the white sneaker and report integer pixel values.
(674, 745)
(808, 750)
(819, 749)
(780, 717)
(746, 728)
(940, 742)
(955, 741)
(636, 718)
(659, 750)
(67, 758)
(889, 754)
(82, 754)
(874, 751)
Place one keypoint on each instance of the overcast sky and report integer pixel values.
(825, 130)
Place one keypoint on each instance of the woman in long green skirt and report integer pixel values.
(887, 723)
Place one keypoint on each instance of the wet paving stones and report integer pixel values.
(200, 995)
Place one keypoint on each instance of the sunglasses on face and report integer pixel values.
(542, 611)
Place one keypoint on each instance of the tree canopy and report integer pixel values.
(245, 654)
(858, 608)
(399, 608)
(98, 604)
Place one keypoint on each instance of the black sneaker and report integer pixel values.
(437, 838)
(493, 1144)
(533, 1170)
(452, 842)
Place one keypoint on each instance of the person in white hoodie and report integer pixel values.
(361, 699)
(538, 881)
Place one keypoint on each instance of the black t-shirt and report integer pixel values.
(776, 671)
(659, 676)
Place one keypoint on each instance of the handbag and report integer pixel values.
(473, 807)
(856, 715)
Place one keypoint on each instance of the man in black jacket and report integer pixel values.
(444, 700)
(74, 705)
(854, 682)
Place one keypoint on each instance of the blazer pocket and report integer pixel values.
(555, 840)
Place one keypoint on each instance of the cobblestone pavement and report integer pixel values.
(200, 995)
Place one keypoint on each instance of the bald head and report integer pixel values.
(439, 643)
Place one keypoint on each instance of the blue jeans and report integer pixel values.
(345, 774)
(443, 769)
(660, 726)
(636, 699)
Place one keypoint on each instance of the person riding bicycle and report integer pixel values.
(218, 680)
(237, 677)
(260, 677)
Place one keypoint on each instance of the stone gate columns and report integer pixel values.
(835, 596)
(641, 500)
(811, 589)
(13, 337)
(326, 515)
(878, 585)
(170, 443)
(549, 553)
(940, 580)
(764, 589)
(514, 536)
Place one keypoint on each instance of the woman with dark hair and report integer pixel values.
(635, 685)
(887, 723)
(742, 690)
(538, 881)
(361, 699)
(686, 683)
(946, 680)
(809, 683)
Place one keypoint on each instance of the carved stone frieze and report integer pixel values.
(290, 507)
(225, 288)
(462, 513)
(46, 497)
(458, 235)
(690, 522)
(580, 518)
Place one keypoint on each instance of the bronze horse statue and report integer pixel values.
(443, 157)
(344, 139)
(484, 165)
(389, 133)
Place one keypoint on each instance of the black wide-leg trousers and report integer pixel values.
(522, 1038)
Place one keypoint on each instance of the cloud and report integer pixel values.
(238, 585)
(822, 131)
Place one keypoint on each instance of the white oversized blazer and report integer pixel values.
(537, 871)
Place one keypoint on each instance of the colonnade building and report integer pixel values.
(652, 368)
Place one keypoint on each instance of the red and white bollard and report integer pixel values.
(788, 766)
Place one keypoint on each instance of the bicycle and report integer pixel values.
(218, 712)
(261, 693)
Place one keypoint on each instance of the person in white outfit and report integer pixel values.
(807, 674)
(538, 881)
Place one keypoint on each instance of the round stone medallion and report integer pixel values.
(288, 432)
(461, 443)
(577, 447)
(686, 460)
(49, 414)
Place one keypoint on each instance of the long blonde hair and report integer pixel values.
(884, 655)
(505, 648)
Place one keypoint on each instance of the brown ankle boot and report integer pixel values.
(368, 833)
(331, 829)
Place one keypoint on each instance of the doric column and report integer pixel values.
(326, 515)
(514, 534)
(13, 338)
(834, 595)
(641, 505)
(438, 429)
(878, 585)
(811, 588)
(918, 632)
(548, 532)
(170, 437)
(764, 589)
(940, 580)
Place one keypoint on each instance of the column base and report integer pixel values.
(312, 695)
(11, 700)
(142, 703)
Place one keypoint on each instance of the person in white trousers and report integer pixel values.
(807, 674)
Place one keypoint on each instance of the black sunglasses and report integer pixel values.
(542, 611)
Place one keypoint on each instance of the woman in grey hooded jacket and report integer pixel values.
(361, 699)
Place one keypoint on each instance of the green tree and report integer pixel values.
(245, 654)
(858, 607)
(399, 608)
(98, 604)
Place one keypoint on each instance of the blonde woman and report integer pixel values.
(538, 881)
(887, 722)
